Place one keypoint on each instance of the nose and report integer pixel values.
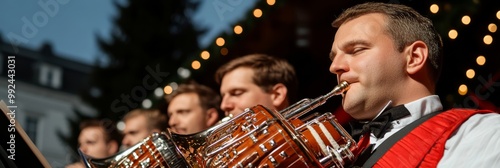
(172, 121)
(126, 141)
(339, 65)
(226, 105)
(83, 148)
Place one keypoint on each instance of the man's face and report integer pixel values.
(364, 55)
(93, 143)
(135, 131)
(186, 116)
(238, 92)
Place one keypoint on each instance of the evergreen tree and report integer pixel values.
(151, 40)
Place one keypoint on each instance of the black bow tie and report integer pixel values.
(381, 124)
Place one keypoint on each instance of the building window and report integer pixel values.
(50, 75)
(31, 127)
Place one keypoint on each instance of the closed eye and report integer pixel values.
(357, 50)
(236, 92)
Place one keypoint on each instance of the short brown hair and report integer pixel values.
(405, 26)
(155, 119)
(208, 98)
(111, 133)
(270, 70)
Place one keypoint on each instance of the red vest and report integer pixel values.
(424, 146)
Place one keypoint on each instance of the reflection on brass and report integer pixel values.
(157, 150)
(258, 137)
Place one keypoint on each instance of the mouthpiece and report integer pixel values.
(305, 105)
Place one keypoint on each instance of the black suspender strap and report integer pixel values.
(389, 142)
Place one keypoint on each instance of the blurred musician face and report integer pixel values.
(365, 55)
(136, 129)
(186, 116)
(238, 92)
(93, 143)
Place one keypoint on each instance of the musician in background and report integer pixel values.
(256, 79)
(392, 57)
(97, 139)
(140, 123)
(193, 108)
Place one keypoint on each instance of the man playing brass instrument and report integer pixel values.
(193, 108)
(97, 139)
(140, 123)
(391, 56)
(256, 79)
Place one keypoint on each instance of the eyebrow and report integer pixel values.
(349, 44)
(332, 55)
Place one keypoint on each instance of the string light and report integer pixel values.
(220, 41)
(257, 13)
(434, 8)
(224, 51)
(183, 72)
(205, 55)
(271, 2)
(498, 15)
(452, 34)
(196, 64)
(158, 92)
(174, 85)
(470, 73)
(487, 39)
(466, 20)
(462, 89)
(238, 29)
(480, 60)
(168, 89)
(146, 103)
(120, 125)
(492, 27)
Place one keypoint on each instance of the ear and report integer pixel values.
(417, 57)
(112, 147)
(279, 96)
(212, 117)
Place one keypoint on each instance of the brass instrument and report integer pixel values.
(260, 137)
(157, 150)
(256, 137)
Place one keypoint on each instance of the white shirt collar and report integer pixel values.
(417, 109)
(421, 107)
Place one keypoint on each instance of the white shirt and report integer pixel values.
(476, 143)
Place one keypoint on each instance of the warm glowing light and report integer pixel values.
(466, 20)
(481, 60)
(470, 73)
(434, 8)
(168, 89)
(238, 29)
(452, 34)
(196, 64)
(462, 90)
(257, 13)
(224, 51)
(205, 55)
(492, 27)
(220, 41)
(498, 15)
(271, 2)
(487, 39)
